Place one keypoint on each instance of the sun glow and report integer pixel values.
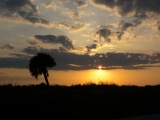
(100, 74)
(100, 67)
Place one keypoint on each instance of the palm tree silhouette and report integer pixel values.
(38, 65)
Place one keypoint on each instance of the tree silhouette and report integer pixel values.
(38, 65)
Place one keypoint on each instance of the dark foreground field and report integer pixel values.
(78, 102)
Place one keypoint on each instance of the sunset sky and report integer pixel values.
(122, 36)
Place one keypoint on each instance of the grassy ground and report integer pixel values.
(79, 102)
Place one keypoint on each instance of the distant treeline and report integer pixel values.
(89, 101)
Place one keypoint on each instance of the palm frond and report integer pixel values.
(38, 64)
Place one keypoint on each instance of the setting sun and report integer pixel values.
(100, 67)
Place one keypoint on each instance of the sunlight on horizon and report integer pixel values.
(149, 76)
(100, 75)
(100, 67)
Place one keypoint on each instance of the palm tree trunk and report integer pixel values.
(46, 79)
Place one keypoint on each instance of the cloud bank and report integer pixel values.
(72, 61)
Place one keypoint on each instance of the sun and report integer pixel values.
(100, 67)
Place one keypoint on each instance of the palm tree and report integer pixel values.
(38, 65)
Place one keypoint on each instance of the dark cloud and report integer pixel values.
(92, 46)
(23, 10)
(62, 49)
(13, 62)
(16, 4)
(121, 60)
(33, 18)
(138, 9)
(158, 24)
(80, 3)
(63, 40)
(72, 61)
(106, 31)
(64, 60)
(30, 50)
(123, 26)
(35, 50)
(104, 34)
(7, 46)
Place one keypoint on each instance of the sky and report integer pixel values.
(122, 36)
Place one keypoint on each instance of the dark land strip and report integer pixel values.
(79, 102)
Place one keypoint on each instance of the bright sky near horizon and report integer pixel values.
(122, 36)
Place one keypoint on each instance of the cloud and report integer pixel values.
(114, 60)
(22, 11)
(17, 55)
(31, 42)
(139, 10)
(63, 1)
(32, 50)
(158, 25)
(80, 3)
(7, 46)
(73, 14)
(92, 47)
(64, 60)
(123, 26)
(63, 40)
(11, 62)
(72, 61)
(51, 5)
(108, 32)
(73, 27)
(104, 34)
